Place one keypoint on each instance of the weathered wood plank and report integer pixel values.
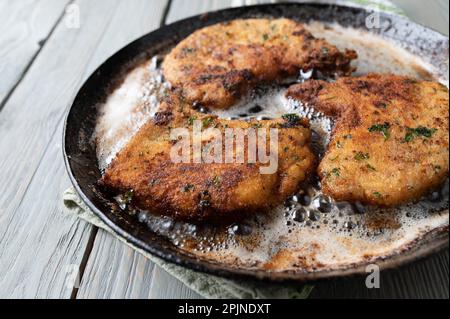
(43, 246)
(181, 9)
(115, 271)
(38, 242)
(24, 27)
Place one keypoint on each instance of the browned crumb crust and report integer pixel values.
(216, 65)
(202, 191)
(390, 142)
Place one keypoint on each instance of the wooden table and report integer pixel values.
(44, 59)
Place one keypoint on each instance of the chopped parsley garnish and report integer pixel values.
(207, 122)
(265, 37)
(370, 167)
(382, 128)
(291, 118)
(377, 194)
(191, 120)
(128, 196)
(360, 156)
(188, 50)
(336, 172)
(420, 131)
(187, 188)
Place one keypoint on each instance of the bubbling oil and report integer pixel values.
(310, 231)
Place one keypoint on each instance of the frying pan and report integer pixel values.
(80, 154)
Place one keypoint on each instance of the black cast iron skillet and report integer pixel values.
(80, 155)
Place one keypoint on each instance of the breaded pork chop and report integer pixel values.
(390, 143)
(218, 64)
(199, 191)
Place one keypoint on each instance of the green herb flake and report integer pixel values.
(191, 120)
(420, 131)
(377, 194)
(360, 156)
(370, 168)
(187, 188)
(188, 50)
(127, 197)
(336, 172)
(291, 118)
(265, 37)
(207, 122)
(382, 128)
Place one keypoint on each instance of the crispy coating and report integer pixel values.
(218, 64)
(390, 142)
(201, 191)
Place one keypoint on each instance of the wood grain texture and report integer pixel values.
(115, 271)
(42, 246)
(38, 242)
(181, 9)
(24, 27)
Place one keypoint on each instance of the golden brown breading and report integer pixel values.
(207, 191)
(218, 64)
(390, 142)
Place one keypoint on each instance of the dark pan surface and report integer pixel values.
(80, 155)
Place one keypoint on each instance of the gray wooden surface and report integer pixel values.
(43, 62)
